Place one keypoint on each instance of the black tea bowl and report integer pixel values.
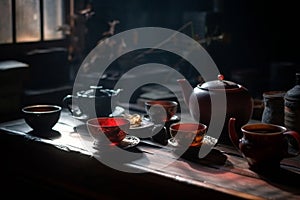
(41, 117)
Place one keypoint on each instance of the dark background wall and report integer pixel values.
(265, 29)
(262, 37)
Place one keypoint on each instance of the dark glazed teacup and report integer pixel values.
(263, 145)
(161, 111)
(187, 133)
(41, 117)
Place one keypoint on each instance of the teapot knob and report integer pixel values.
(221, 77)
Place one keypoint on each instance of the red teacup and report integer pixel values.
(188, 134)
(103, 128)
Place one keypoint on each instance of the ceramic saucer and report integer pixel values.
(207, 140)
(144, 124)
(192, 152)
(143, 130)
(128, 142)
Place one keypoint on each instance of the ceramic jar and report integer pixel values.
(292, 106)
(273, 107)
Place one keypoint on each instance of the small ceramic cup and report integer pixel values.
(188, 133)
(41, 118)
(108, 130)
(161, 111)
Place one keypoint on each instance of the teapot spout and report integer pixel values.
(186, 90)
(232, 132)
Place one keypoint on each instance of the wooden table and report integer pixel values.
(61, 165)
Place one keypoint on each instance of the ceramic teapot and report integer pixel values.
(96, 100)
(239, 103)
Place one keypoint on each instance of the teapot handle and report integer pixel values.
(232, 133)
(67, 101)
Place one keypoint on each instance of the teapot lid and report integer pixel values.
(294, 93)
(219, 84)
(97, 91)
(86, 93)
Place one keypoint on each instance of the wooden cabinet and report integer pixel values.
(12, 76)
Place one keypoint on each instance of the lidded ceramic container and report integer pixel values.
(292, 106)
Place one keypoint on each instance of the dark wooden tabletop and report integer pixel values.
(223, 173)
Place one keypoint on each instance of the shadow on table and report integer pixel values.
(282, 178)
(214, 157)
(50, 134)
